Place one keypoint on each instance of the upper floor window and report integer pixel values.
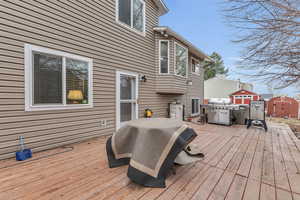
(56, 80)
(132, 13)
(164, 57)
(181, 60)
(196, 67)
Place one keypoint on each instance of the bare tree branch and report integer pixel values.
(269, 30)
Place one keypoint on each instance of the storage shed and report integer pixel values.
(244, 97)
(283, 107)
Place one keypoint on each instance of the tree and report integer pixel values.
(212, 69)
(269, 32)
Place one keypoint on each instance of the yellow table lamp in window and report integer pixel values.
(75, 96)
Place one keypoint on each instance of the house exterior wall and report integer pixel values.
(85, 28)
(175, 86)
(196, 90)
(220, 87)
(168, 83)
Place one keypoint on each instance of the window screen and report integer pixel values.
(164, 57)
(47, 79)
(77, 81)
(138, 17)
(125, 11)
(181, 60)
(195, 67)
(132, 13)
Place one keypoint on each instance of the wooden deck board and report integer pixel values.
(239, 164)
(282, 194)
(237, 188)
(281, 179)
(267, 192)
(252, 190)
(208, 185)
(222, 187)
(268, 163)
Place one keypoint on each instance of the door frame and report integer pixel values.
(118, 90)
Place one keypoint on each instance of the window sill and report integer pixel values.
(57, 107)
(164, 74)
(185, 77)
(197, 74)
(132, 29)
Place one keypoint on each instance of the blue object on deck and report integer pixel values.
(23, 154)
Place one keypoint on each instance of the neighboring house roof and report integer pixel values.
(221, 87)
(243, 92)
(197, 52)
(163, 9)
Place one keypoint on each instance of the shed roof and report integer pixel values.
(242, 91)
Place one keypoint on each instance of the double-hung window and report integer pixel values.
(56, 80)
(132, 14)
(195, 106)
(181, 60)
(195, 67)
(163, 56)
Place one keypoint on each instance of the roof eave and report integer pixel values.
(163, 9)
(192, 48)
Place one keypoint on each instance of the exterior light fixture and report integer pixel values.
(143, 78)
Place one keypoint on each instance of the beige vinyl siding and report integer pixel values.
(176, 86)
(169, 87)
(195, 91)
(85, 28)
(169, 83)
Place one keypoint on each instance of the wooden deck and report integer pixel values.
(239, 164)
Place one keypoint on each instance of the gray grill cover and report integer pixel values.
(147, 145)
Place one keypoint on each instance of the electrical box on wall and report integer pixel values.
(103, 123)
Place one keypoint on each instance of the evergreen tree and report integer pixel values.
(212, 69)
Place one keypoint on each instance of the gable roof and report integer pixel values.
(192, 48)
(163, 9)
(243, 91)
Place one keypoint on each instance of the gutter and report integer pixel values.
(163, 9)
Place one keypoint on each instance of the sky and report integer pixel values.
(201, 22)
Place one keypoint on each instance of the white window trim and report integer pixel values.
(118, 100)
(28, 49)
(142, 33)
(187, 60)
(198, 62)
(159, 56)
(198, 113)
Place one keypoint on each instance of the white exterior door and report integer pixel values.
(126, 98)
